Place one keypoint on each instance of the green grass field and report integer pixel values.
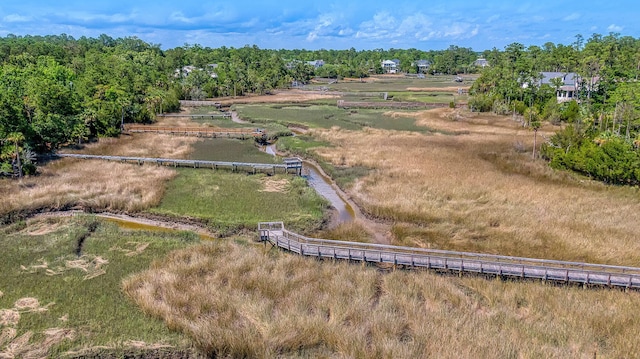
(224, 149)
(326, 116)
(78, 291)
(228, 202)
(394, 84)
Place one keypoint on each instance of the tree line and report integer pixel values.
(57, 90)
(601, 127)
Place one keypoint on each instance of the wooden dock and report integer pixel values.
(461, 262)
(211, 132)
(291, 165)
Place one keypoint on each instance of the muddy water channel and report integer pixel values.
(324, 186)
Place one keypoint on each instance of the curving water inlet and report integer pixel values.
(324, 186)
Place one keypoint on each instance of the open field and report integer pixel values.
(266, 304)
(60, 293)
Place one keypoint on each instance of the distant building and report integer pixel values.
(422, 65)
(185, 71)
(568, 89)
(391, 66)
(316, 63)
(481, 63)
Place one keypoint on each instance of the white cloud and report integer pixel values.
(614, 28)
(179, 17)
(418, 26)
(574, 16)
(382, 25)
(16, 18)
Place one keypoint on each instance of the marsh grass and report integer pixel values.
(232, 201)
(327, 116)
(265, 303)
(478, 191)
(74, 267)
(93, 184)
(230, 150)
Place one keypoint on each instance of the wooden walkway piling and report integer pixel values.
(461, 262)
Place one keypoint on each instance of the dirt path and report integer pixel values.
(235, 118)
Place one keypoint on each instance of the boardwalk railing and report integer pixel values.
(553, 270)
(210, 115)
(242, 133)
(290, 165)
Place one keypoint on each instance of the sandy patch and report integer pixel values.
(142, 345)
(6, 335)
(9, 317)
(273, 185)
(43, 228)
(133, 248)
(89, 264)
(20, 347)
(26, 304)
(1, 294)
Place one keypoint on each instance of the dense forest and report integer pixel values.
(601, 125)
(56, 90)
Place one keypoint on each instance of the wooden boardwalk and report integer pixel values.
(212, 132)
(290, 165)
(210, 115)
(486, 264)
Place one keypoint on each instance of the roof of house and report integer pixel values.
(481, 62)
(423, 63)
(568, 78)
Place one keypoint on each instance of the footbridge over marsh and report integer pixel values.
(213, 132)
(290, 165)
(461, 262)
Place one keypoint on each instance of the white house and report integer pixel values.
(391, 66)
(481, 63)
(568, 89)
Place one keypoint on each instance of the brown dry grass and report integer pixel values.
(265, 304)
(438, 89)
(13, 346)
(476, 192)
(279, 97)
(98, 184)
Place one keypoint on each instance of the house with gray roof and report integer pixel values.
(422, 65)
(566, 86)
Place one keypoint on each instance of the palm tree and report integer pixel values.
(17, 138)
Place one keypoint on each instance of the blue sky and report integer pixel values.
(304, 24)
